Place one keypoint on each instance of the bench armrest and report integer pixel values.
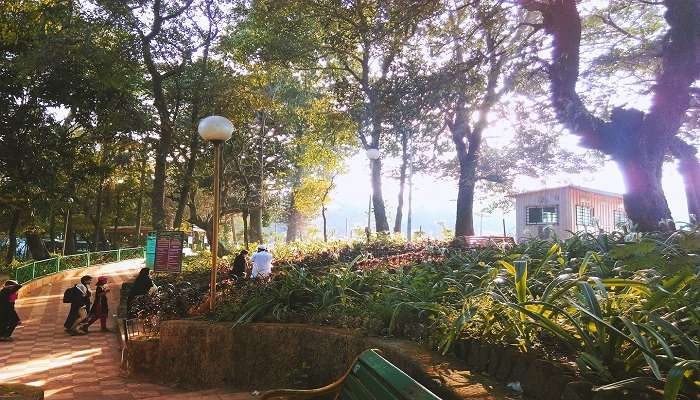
(309, 393)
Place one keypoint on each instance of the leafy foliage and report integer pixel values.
(597, 301)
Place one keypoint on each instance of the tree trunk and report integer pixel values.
(255, 226)
(324, 200)
(208, 226)
(690, 170)
(139, 204)
(402, 182)
(52, 229)
(36, 246)
(635, 140)
(294, 222)
(246, 239)
(12, 237)
(98, 239)
(464, 223)
(380, 220)
(325, 223)
(221, 249)
(645, 203)
(194, 143)
(234, 237)
(70, 236)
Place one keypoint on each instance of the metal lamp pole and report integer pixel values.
(217, 130)
(215, 222)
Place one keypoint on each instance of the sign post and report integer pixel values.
(168, 251)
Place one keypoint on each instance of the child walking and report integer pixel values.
(8, 316)
(100, 308)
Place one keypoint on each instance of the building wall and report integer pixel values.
(603, 208)
(552, 197)
(566, 199)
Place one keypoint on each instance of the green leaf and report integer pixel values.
(675, 377)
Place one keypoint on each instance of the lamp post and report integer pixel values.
(373, 154)
(65, 229)
(217, 130)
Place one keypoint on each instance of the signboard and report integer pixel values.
(168, 251)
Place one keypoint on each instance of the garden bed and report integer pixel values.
(620, 314)
(199, 354)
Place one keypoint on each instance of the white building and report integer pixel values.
(567, 209)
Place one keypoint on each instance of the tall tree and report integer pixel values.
(636, 140)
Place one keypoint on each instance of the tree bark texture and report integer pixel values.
(36, 246)
(97, 236)
(246, 239)
(294, 217)
(635, 140)
(139, 203)
(467, 145)
(380, 219)
(70, 236)
(294, 223)
(12, 237)
(52, 229)
(402, 181)
(207, 225)
(689, 168)
(255, 226)
(195, 142)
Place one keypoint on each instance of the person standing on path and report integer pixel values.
(80, 303)
(142, 285)
(8, 316)
(262, 263)
(100, 307)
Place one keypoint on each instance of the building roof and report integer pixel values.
(585, 189)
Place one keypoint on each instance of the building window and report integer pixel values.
(541, 215)
(584, 216)
(619, 218)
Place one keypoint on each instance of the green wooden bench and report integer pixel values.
(371, 377)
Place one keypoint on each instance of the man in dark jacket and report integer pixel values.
(238, 268)
(79, 306)
(8, 316)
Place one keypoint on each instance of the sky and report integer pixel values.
(434, 199)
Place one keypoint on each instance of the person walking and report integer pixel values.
(8, 316)
(79, 306)
(262, 263)
(142, 285)
(238, 269)
(100, 307)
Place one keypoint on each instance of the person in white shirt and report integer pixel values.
(262, 262)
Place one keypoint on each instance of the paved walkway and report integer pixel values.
(78, 367)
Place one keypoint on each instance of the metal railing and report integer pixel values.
(42, 268)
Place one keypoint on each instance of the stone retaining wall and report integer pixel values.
(199, 354)
(261, 356)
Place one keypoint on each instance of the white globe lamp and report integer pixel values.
(215, 129)
(373, 153)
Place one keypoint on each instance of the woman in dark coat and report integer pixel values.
(239, 265)
(8, 316)
(79, 306)
(100, 306)
(141, 286)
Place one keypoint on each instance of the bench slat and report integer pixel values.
(354, 389)
(374, 384)
(386, 381)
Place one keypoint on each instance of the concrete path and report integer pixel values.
(78, 367)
